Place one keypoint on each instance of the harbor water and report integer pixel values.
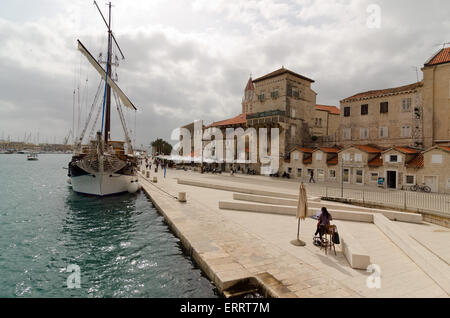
(118, 246)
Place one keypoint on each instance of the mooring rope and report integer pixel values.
(172, 196)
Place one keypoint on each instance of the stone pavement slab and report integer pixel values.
(260, 243)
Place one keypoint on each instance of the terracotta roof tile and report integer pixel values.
(307, 160)
(329, 150)
(443, 56)
(376, 162)
(445, 148)
(331, 109)
(407, 150)
(416, 162)
(304, 149)
(333, 160)
(368, 149)
(382, 92)
(240, 119)
(281, 71)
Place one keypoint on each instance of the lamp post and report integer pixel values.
(342, 178)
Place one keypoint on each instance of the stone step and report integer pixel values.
(355, 254)
(225, 187)
(287, 210)
(426, 260)
(391, 215)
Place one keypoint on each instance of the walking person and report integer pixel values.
(311, 176)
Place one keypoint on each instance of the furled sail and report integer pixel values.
(102, 72)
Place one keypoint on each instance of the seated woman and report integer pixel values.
(324, 221)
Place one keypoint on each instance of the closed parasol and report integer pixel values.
(302, 210)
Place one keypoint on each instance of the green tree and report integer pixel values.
(162, 146)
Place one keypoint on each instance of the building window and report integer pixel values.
(345, 175)
(293, 113)
(293, 131)
(406, 131)
(393, 158)
(436, 159)
(358, 157)
(295, 93)
(299, 172)
(374, 177)
(410, 179)
(274, 94)
(359, 176)
(346, 111)
(383, 132)
(384, 106)
(364, 109)
(406, 104)
(332, 174)
(346, 157)
(364, 133)
(261, 97)
(289, 170)
(347, 133)
(320, 174)
(295, 156)
(318, 156)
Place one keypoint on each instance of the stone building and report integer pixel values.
(415, 115)
(249, 96)
(436, 99)
(290, 97)
(296, 163)
(325, 125)
(385, 117)
(322, 162)
(434, 170)
(193, 153)
(281, 99)
(359, 164)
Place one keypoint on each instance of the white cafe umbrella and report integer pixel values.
(302, 210)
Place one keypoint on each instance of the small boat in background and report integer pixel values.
(32, 156)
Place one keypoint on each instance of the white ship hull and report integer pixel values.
(104, 184)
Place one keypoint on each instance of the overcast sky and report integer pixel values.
(191, 59)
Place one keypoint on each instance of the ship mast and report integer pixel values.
(106, 115)
(108, 88)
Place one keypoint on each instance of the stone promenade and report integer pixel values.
(233, 245)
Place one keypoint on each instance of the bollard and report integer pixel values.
(155, 179)
(147, 174)
(182, 196)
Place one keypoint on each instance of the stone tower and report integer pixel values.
(247, 100)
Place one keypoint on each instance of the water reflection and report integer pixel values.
(125, 249)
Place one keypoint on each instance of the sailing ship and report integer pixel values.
(103, 166)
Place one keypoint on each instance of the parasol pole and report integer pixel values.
(302, 199)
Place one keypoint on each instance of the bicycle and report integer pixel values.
(422, 188)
